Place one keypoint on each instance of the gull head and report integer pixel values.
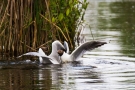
(60, 52)
(56, 45)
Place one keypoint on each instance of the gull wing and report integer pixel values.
(43, 58)
(66, 46)
(78, 52)
(40, 53)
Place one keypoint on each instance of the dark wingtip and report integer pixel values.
(104, 43)
(100, 43)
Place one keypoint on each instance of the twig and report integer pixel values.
(44, 44)
(91, 33)
(55, 26)
(29, 46)
(68, 36)
(5, 13)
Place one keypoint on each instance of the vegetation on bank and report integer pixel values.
(26, 25)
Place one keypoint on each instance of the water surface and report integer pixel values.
(110, 67)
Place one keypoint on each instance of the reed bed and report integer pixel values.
(26, 25)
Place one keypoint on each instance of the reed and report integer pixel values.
(27, 24)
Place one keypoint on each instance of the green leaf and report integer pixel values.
(68, 11)
(60, 17)
(53, 19)
(70, 2)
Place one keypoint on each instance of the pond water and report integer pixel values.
(110, 67)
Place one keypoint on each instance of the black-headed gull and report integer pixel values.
(79, 51)
(53, 58)
(60, 53)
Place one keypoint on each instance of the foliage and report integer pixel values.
(27, 24)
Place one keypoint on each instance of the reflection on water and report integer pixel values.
(110, 67)
(48, 77)
(114, 23)
(125, 22)
(99, 74)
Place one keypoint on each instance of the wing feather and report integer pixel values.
(40, 53)
(66, 46)
(78, 52)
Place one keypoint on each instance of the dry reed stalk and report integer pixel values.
(2, 32)
(44, 44)
(5, 13)
(10, 24)
(59, 36)
(28, 46)
(21, 26)
(35, 35)
(1, 7)
(55, 26)
(48, 11)
(24, 21)
(68, 36)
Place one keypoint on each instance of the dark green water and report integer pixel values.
(110, 67)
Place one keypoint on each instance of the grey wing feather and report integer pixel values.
(32, 54)
(66, 46)
(40, 53)
(85, 47)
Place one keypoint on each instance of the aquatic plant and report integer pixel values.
(29, 24)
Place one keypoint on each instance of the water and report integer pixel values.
(110, 67)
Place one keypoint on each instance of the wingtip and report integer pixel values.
(102, 43)
(98, 43)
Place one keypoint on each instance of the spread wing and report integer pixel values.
(66, 46)
(40, 53)
(43, 58)
(78, 52)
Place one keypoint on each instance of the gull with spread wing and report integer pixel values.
(53, 58)
(79, 51)
(60, 53)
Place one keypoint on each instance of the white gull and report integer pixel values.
(53, 58)
(61, 54)
(79, 51)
